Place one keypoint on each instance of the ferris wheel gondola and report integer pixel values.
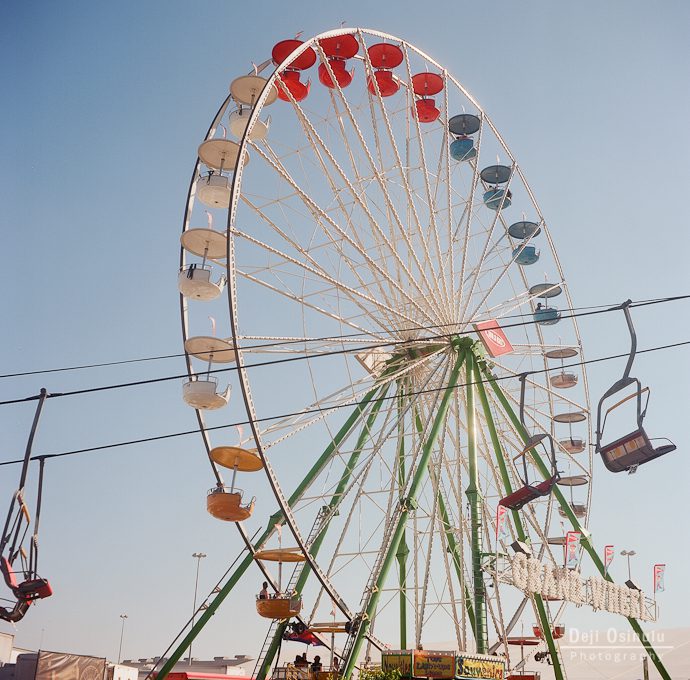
(359, 248)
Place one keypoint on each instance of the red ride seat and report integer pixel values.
(8, 574)
(34, 589)
(528, 493)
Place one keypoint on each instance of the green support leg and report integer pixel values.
(403, 550)
(417, 480)
(542, 613)
(585, 540)
(274, 520)
(475, 501)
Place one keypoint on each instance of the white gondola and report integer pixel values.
(194, 281)
(202, 393)
(238, 124)
(213, 190)
(572, 445)
(563, 380)
(211, 349)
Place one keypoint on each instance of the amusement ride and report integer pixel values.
(367, 247)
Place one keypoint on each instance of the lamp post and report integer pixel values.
(628, 554)
(199, 556)
(122, 634)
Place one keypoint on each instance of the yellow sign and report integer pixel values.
(434, 664)
(397, 661)
(480, 668)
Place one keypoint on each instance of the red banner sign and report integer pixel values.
(493, 338)
(659, 571)
(608, 556)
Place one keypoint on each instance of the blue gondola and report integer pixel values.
(546, 316)
(524, 230)
(462, 149)
(526, 255)
(497, 199)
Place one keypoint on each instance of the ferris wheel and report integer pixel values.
(381, 277)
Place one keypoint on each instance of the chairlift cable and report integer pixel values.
(173, 435)
(346, 336)
(350, 350)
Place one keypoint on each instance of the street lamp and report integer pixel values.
(122, 633)
(630, 583)
(199, 556)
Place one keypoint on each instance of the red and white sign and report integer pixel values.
(659, 571)
(608, 556)
(501, 523)
(493, 338)
(572, 542)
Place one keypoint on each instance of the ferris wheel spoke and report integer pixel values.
(386, 249)
(427, 186)
(403, 169)
(358, 297)
(326, 219)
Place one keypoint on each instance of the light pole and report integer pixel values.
(199, 556)
(122, 634)
(628, 554)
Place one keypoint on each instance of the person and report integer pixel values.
(316, 666)
(336, 664)
(301, 660)
(263, 595)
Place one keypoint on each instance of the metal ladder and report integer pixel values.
(371, 584)
(297, 572)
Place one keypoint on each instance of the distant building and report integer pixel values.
(219, 665)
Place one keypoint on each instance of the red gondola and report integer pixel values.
(289, 81)
(385, 55)
(427, 84)
(426, 110)
(338, 65)
(388, 85)
(282, 50)
(341, 46)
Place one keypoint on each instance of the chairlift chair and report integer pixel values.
(529, 492)
(627, 453)
(15, 531)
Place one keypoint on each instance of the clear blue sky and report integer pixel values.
(104, 106)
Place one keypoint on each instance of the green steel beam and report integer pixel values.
(475, 500)
(585, 540)
(342, 484)
(542, 612)
(418, 478)
(403, 550)
(274, 520)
